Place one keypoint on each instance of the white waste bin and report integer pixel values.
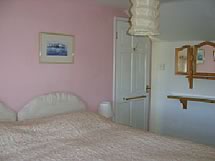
(105, 109)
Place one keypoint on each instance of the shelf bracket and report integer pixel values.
(184, 103)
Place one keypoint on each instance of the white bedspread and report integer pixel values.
(88, 137)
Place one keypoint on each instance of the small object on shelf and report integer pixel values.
(105, 109)
(184, 99)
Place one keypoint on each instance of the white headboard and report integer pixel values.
(51, 104)
(6, 114)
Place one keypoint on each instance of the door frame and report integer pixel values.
(114, 70)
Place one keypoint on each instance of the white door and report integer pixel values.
(132, 77)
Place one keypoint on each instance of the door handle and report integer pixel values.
(134, 98)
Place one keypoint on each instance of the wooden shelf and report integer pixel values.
(203, 77)
(184, 99)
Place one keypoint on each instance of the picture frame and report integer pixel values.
(200, 57)
(56, 48)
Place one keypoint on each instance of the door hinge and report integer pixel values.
(116, 35)
(148, 89)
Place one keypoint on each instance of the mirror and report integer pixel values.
(204, 59)
(182, 58)
(196, 62)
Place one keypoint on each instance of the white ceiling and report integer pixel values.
(181, 19)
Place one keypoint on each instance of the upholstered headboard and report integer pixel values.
(51, 104)
(6, 114)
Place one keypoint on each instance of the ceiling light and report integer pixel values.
(144, 18)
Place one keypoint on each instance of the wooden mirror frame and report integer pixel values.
(196, 47)
(189, 51)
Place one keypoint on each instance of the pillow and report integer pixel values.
(6, 114)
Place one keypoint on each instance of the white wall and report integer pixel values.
(167, 117)
(187, 20)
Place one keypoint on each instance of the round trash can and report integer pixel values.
(105, 109)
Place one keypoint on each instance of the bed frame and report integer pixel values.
(51, 104)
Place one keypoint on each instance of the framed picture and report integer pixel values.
(56, 48)
(200, 57)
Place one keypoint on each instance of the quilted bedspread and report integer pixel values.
(87, 136)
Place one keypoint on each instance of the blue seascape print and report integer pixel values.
(56, 49)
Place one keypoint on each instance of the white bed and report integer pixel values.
(85, 136)
(6, 114)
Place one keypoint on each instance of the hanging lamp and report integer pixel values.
(145, 17)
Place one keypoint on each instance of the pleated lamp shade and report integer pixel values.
(145, 18)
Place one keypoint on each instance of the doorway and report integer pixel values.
(131, 78)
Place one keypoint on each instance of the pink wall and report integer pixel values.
(22, 77)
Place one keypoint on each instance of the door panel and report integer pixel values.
(125, 73)
(124, 38)
(123, 111)
(131, 78)
(138, 84)
(138, 113)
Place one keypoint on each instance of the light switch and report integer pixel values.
(162, 66)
